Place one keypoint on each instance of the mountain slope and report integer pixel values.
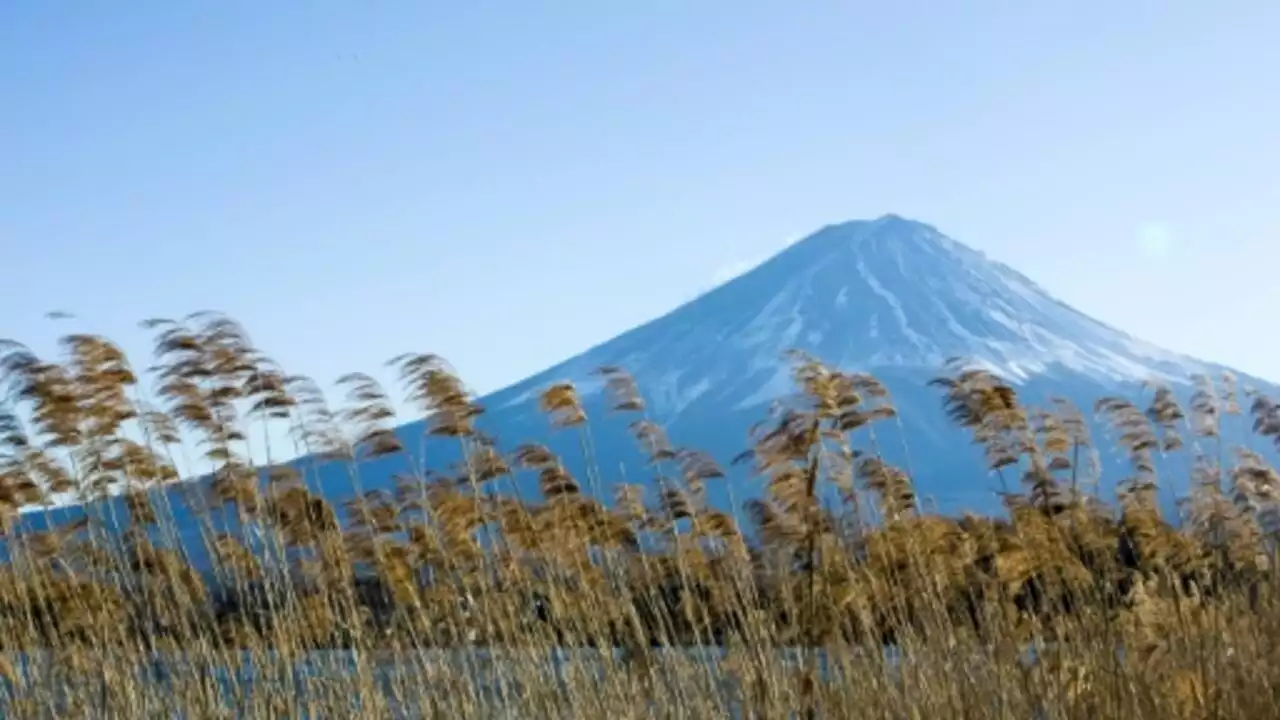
(890, 296)
(888, 293)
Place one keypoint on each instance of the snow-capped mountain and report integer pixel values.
(887, 293)
(889, 296)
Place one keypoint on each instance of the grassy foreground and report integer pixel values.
(457, 596)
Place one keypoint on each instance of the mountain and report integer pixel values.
(889, 296)
(883, 294)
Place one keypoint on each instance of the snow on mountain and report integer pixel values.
(890, 296)
(886, 293)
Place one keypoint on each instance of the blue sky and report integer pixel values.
(509, 183)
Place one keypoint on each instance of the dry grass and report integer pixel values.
(455, 596)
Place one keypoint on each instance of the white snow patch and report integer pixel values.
(955, 327)
(931, 360)
(917, 339)
(670, 398)
(763, 327)
(686, 397)
(778, 385)
(1158, 354)
(1018, 373)
(789, 336)
(1002, 318)
(521, 399)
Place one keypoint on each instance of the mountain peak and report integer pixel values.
(885, 232)
(892, 222)
(888, 220)
(884, 294)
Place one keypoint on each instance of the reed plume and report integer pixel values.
(898, 610)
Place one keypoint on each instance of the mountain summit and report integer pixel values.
(889, 296)
(868, 295)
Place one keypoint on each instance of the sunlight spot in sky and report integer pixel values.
(1155, 240)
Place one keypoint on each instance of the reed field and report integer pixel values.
(461, 593)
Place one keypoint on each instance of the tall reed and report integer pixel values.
(505, 586)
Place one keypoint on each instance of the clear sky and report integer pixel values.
(508, 183)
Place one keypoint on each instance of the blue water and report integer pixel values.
(484, 667)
